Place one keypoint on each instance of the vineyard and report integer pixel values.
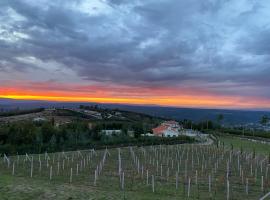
(151, 172)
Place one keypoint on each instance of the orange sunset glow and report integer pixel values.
(127, 95)
(178, 101)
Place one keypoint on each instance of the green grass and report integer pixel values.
(19, 188)
(246, 145)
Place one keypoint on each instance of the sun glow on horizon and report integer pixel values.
(122, 94)
(177, 101)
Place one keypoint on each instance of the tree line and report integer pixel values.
(38, 137)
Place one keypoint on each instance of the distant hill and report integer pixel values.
(7, 104)
(230, 116)
(196, 114)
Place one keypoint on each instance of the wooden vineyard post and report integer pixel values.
(13, 169)
(157, 166)
(123, 181)
(142, 171)
(58, 168)
(196, 177)
(51, 172)
(18, 159)
(209, 183)
(119, 162)
(31, 170)
(176, 180)
(228, 190)
(262, 184)
(147, 177)
(242, 176)
(255, 175)
(95, 179)
(71, 173)
(120, 180)
(153, 183)
(198, 190)
(47, 162)
(168, 174)
(40, 165)
(228, 168)
(81, 166)
(185, 169)
(63, 164)
(189, 181)
(246, 185)
(6, 159)
(238, 163)
(266, 172)
(240, 170)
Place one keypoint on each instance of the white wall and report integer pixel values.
(170, 133)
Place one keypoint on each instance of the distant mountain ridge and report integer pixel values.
(195, 114)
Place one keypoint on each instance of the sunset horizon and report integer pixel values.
(164, 102)
(133, 95)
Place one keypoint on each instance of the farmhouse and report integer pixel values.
(167, 129)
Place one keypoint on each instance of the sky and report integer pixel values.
(207, 54)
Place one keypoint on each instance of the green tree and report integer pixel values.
(47, 131)
(138, 130)
(53, 142)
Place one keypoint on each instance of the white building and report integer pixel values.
(111, 132)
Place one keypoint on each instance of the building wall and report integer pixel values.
(170, 133)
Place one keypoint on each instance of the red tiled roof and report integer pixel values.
(164, 126)
(159, 130)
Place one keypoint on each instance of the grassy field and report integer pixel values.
(246, 144)
(179, 171)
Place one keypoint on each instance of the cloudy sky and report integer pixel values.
(210, 53)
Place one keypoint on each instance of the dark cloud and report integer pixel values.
(153, 42)
(257, 42)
